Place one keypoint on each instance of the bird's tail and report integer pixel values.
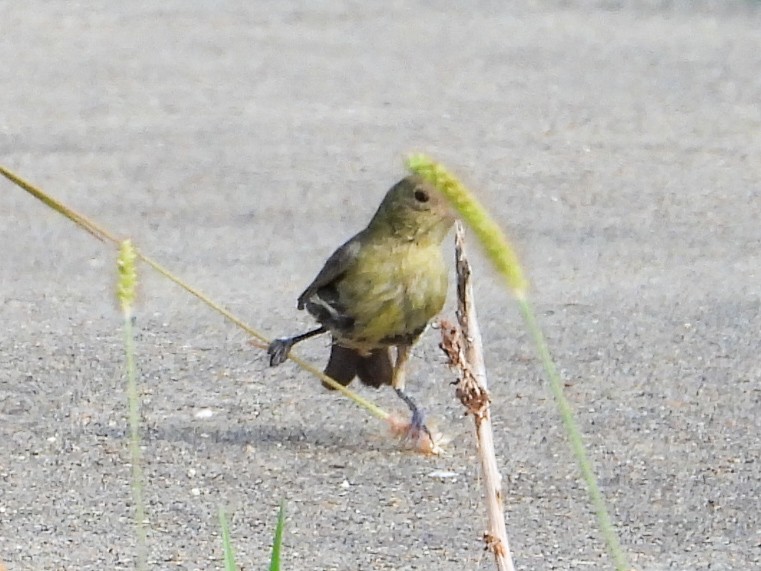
(374, 369)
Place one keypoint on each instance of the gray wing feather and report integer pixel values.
(333, 269)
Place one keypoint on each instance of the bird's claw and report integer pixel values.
(417, 425)
(278, 350)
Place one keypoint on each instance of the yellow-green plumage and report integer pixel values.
(392, 290)
(382, 287)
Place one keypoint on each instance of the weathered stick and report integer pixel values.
(464, 349)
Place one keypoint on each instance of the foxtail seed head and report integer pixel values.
(488, 232)
(127, 280)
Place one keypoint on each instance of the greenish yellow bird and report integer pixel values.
(380, 290)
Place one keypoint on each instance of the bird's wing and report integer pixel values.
(333, 269)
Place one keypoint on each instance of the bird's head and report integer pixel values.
(413, 210)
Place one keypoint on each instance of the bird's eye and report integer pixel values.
(421, 196)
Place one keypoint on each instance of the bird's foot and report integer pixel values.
(278, 350)
(417, 429)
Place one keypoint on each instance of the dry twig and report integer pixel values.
(464, 349)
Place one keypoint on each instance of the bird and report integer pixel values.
(380, 290)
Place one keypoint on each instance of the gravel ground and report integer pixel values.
(239, 143)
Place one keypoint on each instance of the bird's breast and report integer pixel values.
(392, 293)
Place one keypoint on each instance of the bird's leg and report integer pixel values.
(399, 378)
(398, 381)
(279, 348)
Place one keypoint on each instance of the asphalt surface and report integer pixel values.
(240, 143)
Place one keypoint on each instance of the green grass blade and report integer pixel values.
(227, 545)
(278, 541)
(607, 529)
